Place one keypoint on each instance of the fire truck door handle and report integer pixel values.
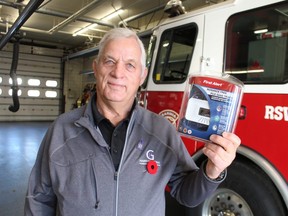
(242, 112)
(142, 99)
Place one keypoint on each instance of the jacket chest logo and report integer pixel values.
(150, 162)
(150, 155)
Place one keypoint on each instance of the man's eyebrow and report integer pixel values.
(131, 59)
(107, 56)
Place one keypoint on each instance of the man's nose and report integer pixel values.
(119, 69)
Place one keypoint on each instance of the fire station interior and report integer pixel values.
(36, 38)
(61, 29)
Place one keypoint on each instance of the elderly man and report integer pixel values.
(112, 157)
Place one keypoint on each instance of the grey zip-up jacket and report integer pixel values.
(74, 174)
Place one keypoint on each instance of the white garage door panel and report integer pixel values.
(35, 104)
(23, 69)
(30, 110)
(31, 65)
(31, 101)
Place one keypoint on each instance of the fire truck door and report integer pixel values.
(177, 53)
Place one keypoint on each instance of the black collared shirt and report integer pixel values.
(114, 135)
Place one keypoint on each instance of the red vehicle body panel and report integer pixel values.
(265, 135)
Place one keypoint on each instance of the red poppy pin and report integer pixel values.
(152, 167)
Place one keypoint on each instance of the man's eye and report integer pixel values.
(109, 62)
(131, 66)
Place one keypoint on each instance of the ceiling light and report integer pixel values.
(260, 31)
(89, 27)
(112, 15)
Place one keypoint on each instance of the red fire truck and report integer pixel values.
(249, 40)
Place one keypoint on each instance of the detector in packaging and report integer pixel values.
(210, 105)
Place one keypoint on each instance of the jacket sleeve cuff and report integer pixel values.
(219, 179)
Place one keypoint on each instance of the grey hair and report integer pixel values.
(122, 33)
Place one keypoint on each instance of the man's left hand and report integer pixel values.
(221, 153)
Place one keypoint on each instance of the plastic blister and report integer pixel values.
(210, 105)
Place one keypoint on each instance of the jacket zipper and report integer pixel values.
(116, 174)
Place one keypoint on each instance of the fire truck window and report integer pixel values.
(175, 53)
(257, 45)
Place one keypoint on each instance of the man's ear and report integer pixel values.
(94, 65)
(144, 75)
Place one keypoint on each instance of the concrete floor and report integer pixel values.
(19, 143)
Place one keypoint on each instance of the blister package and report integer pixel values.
(210, 105)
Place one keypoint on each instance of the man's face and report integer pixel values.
(119, 71)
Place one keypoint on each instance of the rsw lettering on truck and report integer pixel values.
(249, 40)
(276, 113)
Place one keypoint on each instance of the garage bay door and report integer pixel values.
(40, 85)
